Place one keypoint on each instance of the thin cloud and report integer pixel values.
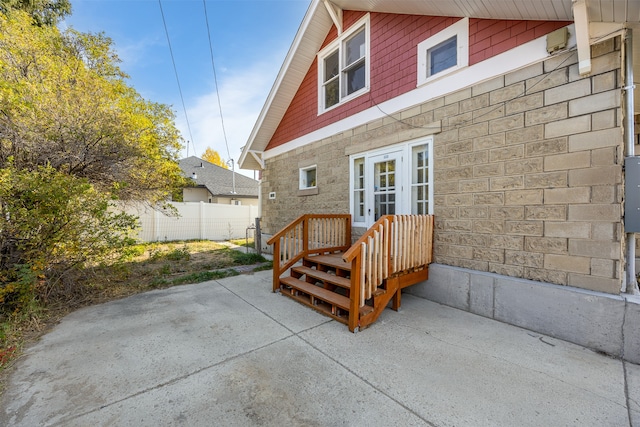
(133, 53)
(242, 95)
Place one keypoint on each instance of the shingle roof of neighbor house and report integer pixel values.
(216, 179)
(318, 21)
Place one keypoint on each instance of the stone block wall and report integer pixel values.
(528, 174)
(527, 166)
(282, 177)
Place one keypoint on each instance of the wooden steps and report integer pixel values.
(310, 267)
(323, 283)
(332, 261)
(321, 276)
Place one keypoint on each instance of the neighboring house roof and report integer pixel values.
(218, 180)
(592, 17)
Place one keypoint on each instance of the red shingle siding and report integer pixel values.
(393, 59)
(488, 37)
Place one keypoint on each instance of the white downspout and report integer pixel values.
(630, 285)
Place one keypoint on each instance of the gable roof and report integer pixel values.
(318, 21)
(218, 180)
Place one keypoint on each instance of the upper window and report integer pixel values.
(444, 52)
(343, 67)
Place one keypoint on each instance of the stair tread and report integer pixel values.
(343, 282)
(318, 292)
(331, 260)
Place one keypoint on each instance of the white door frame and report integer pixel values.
(402, 153)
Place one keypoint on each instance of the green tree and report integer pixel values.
(51, 224)
(74, 137)
(212, 156)
(43, 12)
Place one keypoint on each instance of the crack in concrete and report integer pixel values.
(511, 362)
(373, 386)
(167, 383)
(624, 365)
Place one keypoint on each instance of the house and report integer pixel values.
(215, 184)
(511, 121)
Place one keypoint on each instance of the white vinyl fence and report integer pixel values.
(196, 220)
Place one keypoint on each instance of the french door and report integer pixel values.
(385, 185)
(393, 181)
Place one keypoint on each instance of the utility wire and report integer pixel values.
(186, 117)
(215, 78)
(496, 108)
(572, 52)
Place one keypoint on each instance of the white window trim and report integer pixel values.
(459, 29)
(430, 176)
(337, 45)
(403, 180)
(303, 177)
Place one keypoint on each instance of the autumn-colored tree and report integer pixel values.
(74, 137)
(65, 103)
(212, 156)
(43, 12)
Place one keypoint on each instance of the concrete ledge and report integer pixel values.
(630, 331)
(266, 249)
(602, 322)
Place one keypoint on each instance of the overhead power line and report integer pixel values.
(215, 78)
(173, 61)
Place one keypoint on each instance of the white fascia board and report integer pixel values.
(281, 77)
(514, 59)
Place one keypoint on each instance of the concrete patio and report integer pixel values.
(230, 352)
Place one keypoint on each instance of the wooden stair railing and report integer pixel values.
(393, 254)
(307, 235)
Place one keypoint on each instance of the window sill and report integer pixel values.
(308, 192)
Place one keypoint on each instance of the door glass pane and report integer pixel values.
(358, 190)
(384, 189)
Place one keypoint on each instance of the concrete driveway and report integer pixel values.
(231, 353)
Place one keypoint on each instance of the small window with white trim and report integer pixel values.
(343, 67)
(308, 177)
(444, 52)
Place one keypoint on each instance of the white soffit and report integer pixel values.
(553, 10)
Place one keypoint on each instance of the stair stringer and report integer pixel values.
(393, 290)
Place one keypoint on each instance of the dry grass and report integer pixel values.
(145, 267)
(247, 243)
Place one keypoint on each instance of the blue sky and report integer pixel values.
(250, 39)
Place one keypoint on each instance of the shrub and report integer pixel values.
(52, 225)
